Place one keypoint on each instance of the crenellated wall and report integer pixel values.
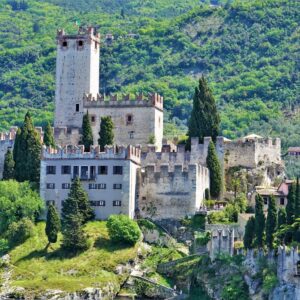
(172, 191)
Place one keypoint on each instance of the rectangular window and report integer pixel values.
(48, 202)
(77, 107)
(50, 186)
(116, 203)
(92, 172)
(117, 186)
(66, 186)
(97, 186)
(131, 134)
(101, 186)
(65, 170)
(118, 170)
(97, 203)
(102, 170)
(51, 170)
(84, 173)
(75, 172)
(281, 201)
(266, 200)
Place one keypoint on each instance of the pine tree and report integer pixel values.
(249, 233)
(106, 132)
(259, 221)
(52, 224)
(27, 152)
(48, 136)
(77, 192)
(74, 237)
(205, 119)
(215, 171)
(9, 166)
(271, 223)
(87, 133)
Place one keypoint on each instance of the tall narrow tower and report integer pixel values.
(77, 73)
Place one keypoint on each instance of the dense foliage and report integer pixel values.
(48, 136)
(249, 233)
(9, 166)
(52, 224)
(106, 133)
(122, 229)
(17, 201)
(87, 133)
(247, 50)
(19, 232)
(271, 223)
(259, 221)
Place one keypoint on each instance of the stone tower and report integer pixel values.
(77, 73)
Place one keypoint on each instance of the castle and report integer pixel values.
(139, 175)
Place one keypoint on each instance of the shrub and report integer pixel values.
(122, 229)
(4, 246)
(19, 232)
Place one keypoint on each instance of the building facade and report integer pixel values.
(109, 178)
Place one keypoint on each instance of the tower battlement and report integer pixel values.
(126, 100)
(9, 135)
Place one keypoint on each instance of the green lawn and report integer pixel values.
(37, 269)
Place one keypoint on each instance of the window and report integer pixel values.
(117, 186)
(92, 172)
(266, 200)
(97, 186)
(75, 172)
(129, 119)
(65, 170)
(118, 170)
(80, 43)
(102, 170)
(51, 170)
(84, 173)
(281, 201)
(48, 202)
(50, 186)
(66, 186)
(93, 119)
(97, 203)
(131, 134)
(77, 107)
(116, 203)
(65, 44)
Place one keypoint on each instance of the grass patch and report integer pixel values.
(38, 269)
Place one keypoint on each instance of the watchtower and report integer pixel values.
(77, 74)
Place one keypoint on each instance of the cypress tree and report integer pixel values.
(9, 166)
(259, 221)
(271, 223)
(297, 199)
(74, 237)
(215, 172)
(205, 119)
(249, 233)
(48, 136)
(281, 217)
(106, 133)
(290, 206)
(87, 133)
(27, 152)
(52, 224)
(79, 194)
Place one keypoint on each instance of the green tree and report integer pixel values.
(52, 224)
(297, 199)
(27, 152)
(18, 201)
(87, 133)
(48, 136)
(281, 216)
(77, 192)
(215, 172)
(205, 119)
(122, 229)
(290, 206)
(249, 233)
(271, 223)
(74, 237)
(9, 166)
(259, 221)
(106, 133)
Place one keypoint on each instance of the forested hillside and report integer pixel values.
(249, 50)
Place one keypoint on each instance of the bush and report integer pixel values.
(122, 229)
(4, 246)
(19, 232)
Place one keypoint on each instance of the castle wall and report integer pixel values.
(105, 188)
(172, 192)
(135, 121)
(77, 72)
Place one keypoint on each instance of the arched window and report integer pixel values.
(129, 119)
